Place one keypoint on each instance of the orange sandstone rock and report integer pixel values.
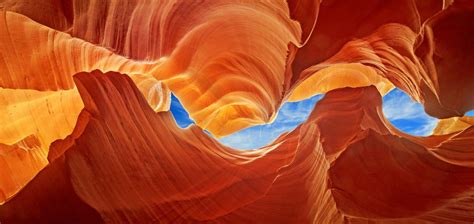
(86, 136)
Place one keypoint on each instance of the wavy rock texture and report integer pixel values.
(86, 135)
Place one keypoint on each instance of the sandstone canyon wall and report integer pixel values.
(86, 135)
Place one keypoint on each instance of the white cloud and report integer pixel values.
(255, 137)
(288, 118)
(427, 128)
(398, 106)
(406, 114)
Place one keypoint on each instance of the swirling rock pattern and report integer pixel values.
(86, 135)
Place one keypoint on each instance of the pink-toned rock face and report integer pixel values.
(86, 135)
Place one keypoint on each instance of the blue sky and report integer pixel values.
(404, 113)
(289, 117)
(407, 114)
(180, 115)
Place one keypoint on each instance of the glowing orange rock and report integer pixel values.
(309, 175)
(86, 135)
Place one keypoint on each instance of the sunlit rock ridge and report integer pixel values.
(86, 135)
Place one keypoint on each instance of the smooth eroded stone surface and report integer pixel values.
(86, 135)
(128, 163)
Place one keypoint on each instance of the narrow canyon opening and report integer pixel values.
(399, 108)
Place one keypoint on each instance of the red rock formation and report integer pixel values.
(86, 136)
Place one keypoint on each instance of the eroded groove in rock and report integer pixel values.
(211, 47)
(193, 193)
(85, 132)
(40, 99)
(446, 50)
(329, 177)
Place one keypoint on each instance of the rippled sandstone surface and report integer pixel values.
(86, 135)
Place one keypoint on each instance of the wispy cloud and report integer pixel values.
(406, 114)
(288, 118)
(397, 105)
(426, 129)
